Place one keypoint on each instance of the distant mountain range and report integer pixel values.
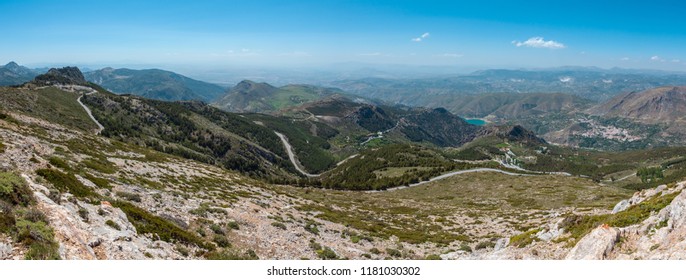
(154, 84)
(14, 74)
(507, 105)
(589, 83)
(249, 96)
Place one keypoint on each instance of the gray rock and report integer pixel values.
(621, 206)
(501, 244)
(596, 245)
(5, 251)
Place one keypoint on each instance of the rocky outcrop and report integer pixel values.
(85, 232)
(661, 236)
(596, 245)
(61, 76)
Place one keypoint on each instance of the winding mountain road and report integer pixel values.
(90, 114)
(291, 156)
(75, 88)
(454, 173)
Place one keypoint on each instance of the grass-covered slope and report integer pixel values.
(49, 103)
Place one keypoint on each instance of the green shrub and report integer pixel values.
(182, 250)
(31, 214)
(100, 182)
(206, 208)
(101, 165)
(327, 254)
(221, 241)
(279, 225)
(233, 225)
(433, 257)
(375, 251)
(312, 228)
(40, 239)
(112, 224)
(14, 190)
(394, 253)
(484, 245)
(217, 229)
(7, 219)
(523, 239)
(59, 163)
(83, 213)
(43, 251)
(314, 245)
(129, 196)
(229, 254)
(465, 247)
(165, 230)
(66, 182)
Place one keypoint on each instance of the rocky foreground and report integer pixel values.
(662, 235)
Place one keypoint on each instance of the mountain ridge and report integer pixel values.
(662, 104)
(253, 97)
(154, 83)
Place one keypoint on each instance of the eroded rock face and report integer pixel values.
(595, 245)
(661, 236)
(82, 231)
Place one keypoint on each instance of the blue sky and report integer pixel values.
(650, 34)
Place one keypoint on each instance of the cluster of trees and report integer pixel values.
(650, 174)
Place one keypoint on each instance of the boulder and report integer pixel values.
(5, 251)
(621, 206)
(596, 245)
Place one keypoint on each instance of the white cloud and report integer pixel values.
(539, 42)
(676, 60)
(624, 59)
(370, 54)
(421, 38)
(657, 58)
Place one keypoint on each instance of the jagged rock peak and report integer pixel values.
(62, 76)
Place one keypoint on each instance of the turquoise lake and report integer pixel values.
(476, 121)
